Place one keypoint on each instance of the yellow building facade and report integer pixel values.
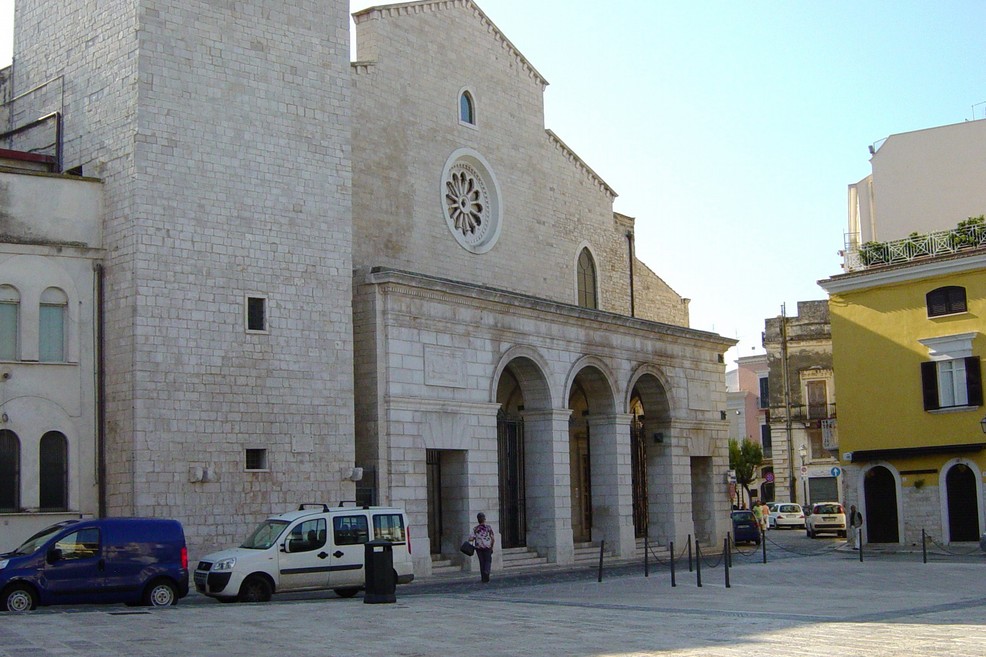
(908, 341)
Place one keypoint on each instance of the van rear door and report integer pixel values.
(350, 533)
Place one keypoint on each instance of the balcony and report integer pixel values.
(969, 234)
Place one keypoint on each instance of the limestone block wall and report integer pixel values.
(654, 299)
(406, 89)
(221, 131)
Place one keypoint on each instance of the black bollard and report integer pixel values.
(729, 558)
(646, 554)
(728, 554)
(698, 562)
(673, 583)
(689, 553)
(861, 546)
(924, 547)
(602, 544)
(764, 547)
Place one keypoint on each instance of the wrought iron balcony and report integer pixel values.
(969, 235)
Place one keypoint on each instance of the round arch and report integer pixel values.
(600, 388)
(946, 502)
(883, 525)
(530, 369)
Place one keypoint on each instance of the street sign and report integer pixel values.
(836, 471)
(804, 469)
(769, 477)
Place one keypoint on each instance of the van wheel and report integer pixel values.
(255, 589)
(346, 593)
(160, 593)
(17, 598)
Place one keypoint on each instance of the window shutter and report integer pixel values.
(974, 381)
(929, 385)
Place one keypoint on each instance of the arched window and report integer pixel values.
(51, 336)
(10, 471)
(9, 305)
(587, 280)
(53, 472)
(946, 301)
(467, 109)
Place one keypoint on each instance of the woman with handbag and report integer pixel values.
(482, 538)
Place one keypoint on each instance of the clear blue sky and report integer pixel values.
(731, 129)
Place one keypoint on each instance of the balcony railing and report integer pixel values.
(968, 235)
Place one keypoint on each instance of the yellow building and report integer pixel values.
(907, 337)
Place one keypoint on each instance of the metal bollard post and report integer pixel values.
(728, 553)
(860, 546)
(764, 547)
(729, 558)
(646, 555)
(602, 544)
(673, 583)
(689, 553)
(924, 546)
(698, 562)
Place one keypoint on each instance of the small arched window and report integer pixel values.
(51, 336)
(587, 280)
(467, 108)
(9, 306)
(10, 472)
(947, 300)
(53, 472)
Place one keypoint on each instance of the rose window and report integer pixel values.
(471, 201)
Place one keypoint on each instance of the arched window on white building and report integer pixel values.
(10, 472)
(587, 280)
(10, 301)
(51, 336)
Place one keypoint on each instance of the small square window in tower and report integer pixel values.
(256, 459)
(256, 314)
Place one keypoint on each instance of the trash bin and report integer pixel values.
(381, 582)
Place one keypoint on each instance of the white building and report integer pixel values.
(312, 266)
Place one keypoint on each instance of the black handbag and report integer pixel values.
(467, 549)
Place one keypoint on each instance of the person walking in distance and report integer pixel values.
(855, 525)
(483, 538)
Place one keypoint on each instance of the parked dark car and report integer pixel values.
(129, 560)
(746, 529)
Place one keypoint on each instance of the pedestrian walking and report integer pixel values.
(483, 538)
(855, 527)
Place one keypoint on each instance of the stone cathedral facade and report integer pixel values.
(312, 267)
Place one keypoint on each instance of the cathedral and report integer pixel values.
(240, 272)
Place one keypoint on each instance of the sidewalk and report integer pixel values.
(818, 606)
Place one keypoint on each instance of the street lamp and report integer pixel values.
(982, 423)
(803, 451)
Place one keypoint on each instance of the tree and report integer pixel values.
(744, 459)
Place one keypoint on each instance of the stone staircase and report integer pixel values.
(443, 565)
(522, 557)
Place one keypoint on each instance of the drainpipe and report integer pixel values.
(630, 259)
(100, 395)
(787, 404)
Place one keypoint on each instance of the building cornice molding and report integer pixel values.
(573, 157)
(905, 272)
(427, 6)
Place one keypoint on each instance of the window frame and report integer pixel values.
(45, 479)
(10, 298)
(265, 459)
(11, 472)
(931, 383)
(248, 315)
(587, 272)
(947, 298)
(58, 354)
(469, 98)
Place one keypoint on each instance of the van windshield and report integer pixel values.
(265, 535)
(31, 545)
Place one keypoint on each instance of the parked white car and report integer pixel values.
(826, 517)
(786, 514)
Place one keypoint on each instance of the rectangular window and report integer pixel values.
(817, 393)
(8, 331)
(350, 530)
(818, 450)
(764, 392)
(766, 441)
(389, 527)
(51, 337)
(256, 459)
(256, 314)
(955, 382)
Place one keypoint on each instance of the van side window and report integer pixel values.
(80, 545)
(350, 530)
(389, 527)
(307, 536)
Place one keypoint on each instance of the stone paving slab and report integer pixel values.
(803, 607)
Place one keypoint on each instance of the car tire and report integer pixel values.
(842, 535)
(161, 593)
(346, 592)
(255, 588)
(18, 598)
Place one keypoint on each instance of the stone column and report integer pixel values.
(548, 481)
(670, 490)
(612, 489)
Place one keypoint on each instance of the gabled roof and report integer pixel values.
(408, 8)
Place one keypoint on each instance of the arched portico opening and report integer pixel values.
(651, 413)
(963, 503)
(592, 452)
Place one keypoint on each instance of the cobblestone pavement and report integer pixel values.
(823, 605)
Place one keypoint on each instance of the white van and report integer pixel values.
(306, 550)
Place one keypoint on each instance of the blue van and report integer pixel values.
(130, 560)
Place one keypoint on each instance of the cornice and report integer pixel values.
(572, 157)
(410, 8)
(906, 272)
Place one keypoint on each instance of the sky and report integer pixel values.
(731, 130)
